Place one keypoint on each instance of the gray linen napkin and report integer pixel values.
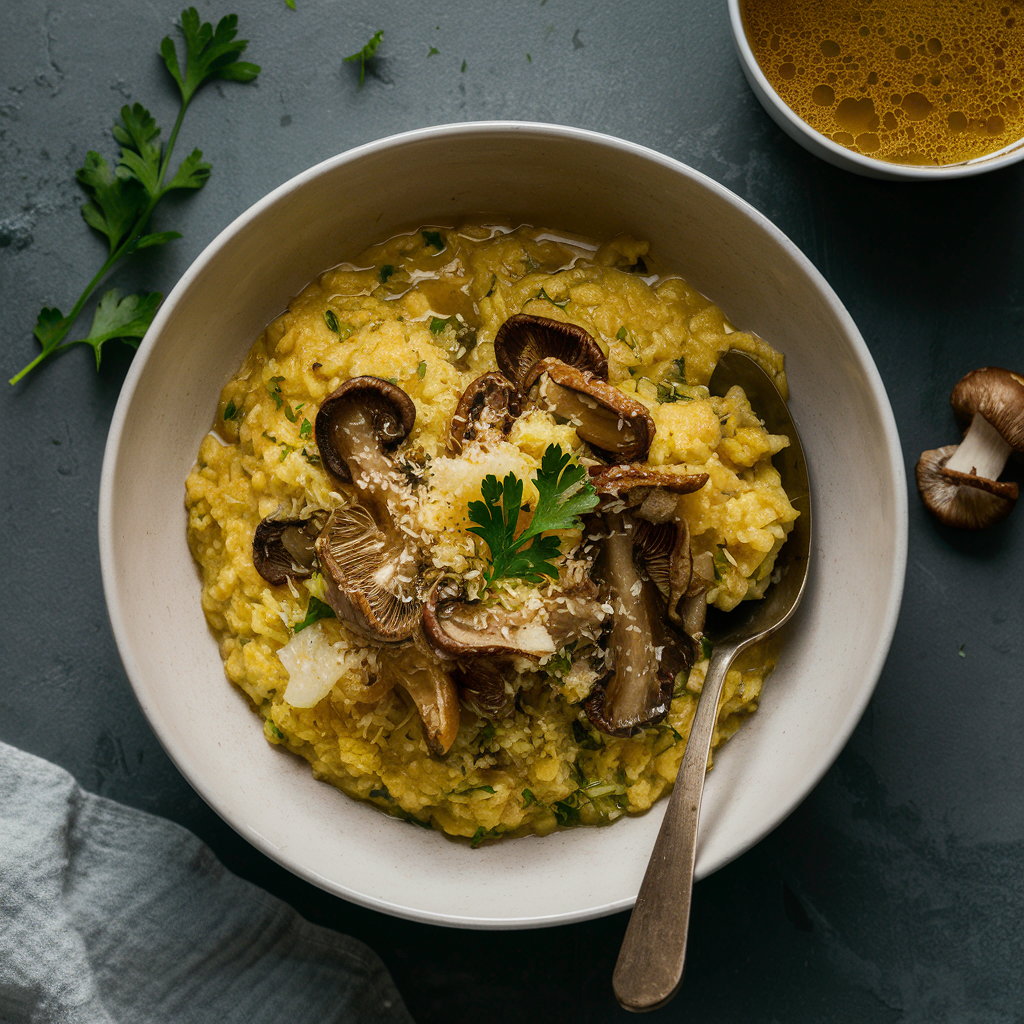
(109, 915)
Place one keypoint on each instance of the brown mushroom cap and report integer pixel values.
(646, 651)
(416, 670)
(364, 414)
(617, 427)
(481, 684)
(490, 404)
(962, 499)
(523, 340)
(456, 628)
(998, 396)
(633, 483)
(368, 581)
(283, 549)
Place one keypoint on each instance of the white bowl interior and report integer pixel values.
(509, 173)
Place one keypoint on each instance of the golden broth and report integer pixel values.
(906, 81)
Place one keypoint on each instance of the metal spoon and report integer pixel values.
(649, 970)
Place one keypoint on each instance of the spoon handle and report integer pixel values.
(650, 965)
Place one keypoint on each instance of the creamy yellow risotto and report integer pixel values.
(461, 514)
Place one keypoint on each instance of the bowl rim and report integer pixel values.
(107, 499)
(822, 146)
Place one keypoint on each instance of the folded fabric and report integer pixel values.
(109, 915)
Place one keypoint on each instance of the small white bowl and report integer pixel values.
(822, 146)
(507, 173)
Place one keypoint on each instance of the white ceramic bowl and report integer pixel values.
(512, 173)
(822, 146)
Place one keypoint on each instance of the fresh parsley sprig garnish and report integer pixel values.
(121, 199)
(564, 494)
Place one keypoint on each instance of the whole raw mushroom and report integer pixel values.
(960, 484)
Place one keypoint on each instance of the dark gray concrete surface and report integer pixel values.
(896, 891)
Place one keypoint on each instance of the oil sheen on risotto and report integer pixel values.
(399, 399)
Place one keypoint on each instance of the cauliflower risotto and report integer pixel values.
(461, 513)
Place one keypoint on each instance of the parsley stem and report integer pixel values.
(72, 316)
(123, 250)
(171, 139)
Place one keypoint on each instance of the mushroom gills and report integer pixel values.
(369, 580)
(524, 340)
(962, 499)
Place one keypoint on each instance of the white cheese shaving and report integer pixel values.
(313, 665)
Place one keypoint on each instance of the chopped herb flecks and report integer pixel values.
(567, 813)
(434, 238)
(316, 611)
(331, 320)
(273, 387)
(544, 295)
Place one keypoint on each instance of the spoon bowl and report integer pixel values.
(649, 970)
(753, 620)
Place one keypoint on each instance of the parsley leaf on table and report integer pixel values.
(121, 199)
(128, 319)
(564, 494)
(365, 54)
(209, 53)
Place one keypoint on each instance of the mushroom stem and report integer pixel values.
(634, 679)
(373, 475)
(355, 438)
(982, 452)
